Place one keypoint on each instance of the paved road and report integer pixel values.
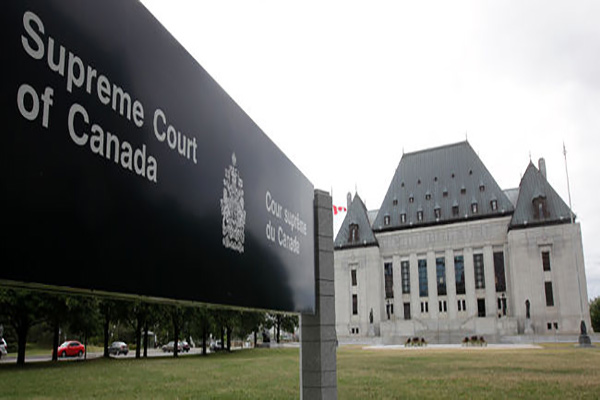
(12, 357)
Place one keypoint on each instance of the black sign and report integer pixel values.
(127, 169)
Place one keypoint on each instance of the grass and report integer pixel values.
(552, 372)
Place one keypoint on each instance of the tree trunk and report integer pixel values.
(176, 329)
(138, 338)
(278, 329)
(22, 331)
(105, 328)
(55, 339)
(204, 340)
(255, 338)
(146, 340)
(228, 339)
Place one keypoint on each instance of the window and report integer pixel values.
(474, 208)
(479, 274)
(494, 205)
(481, 308)
(403, 218)
(395, 202)
(405, 272)
(424, 307)
(445, 193)
(455, 210)
(438, 213)
(389, 280)
(462, 305)
(549, 294)
(549, 325)
(353, 237)
(539, 207)
(459, 272)
(463, 190)
(389, 310)
(406, 310)
(411, 199)
(353, 276)
(440, 267)
(481, 187)
(420, 215)
(354, 304)
(423, 289)
(386, 220)
(499, 271)
(427, 196)
(546, 260)
(501, 306)
(442, 305)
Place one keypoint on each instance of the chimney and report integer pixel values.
(349, 199)
(542, 167)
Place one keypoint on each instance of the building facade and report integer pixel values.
(450, 254)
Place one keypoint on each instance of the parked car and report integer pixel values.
(117, 348)
(215, 345)
(185, 346)
(168, 348)
(3, 345)
(71, 348)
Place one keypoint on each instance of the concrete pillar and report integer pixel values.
(491, 301)
(451, 285)
(318, 341)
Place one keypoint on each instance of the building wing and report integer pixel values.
(356, 229)
(538, 203)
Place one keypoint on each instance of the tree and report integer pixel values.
(84, 316)
(252, 322)
(21, 308)
(595, 314)
(110, 310)
(55, 310)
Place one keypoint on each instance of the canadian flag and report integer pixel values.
(338, 209)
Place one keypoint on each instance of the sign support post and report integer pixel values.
(318, 340)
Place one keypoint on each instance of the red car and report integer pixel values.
(71, 348)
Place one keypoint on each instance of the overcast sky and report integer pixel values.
(344, 87)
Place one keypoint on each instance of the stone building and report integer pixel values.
(450, 254)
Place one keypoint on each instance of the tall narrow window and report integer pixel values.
(419, 215)
(438, 212)
(474, 208)
(499, 271)
(405, 271)
(423, 289)
(455, 210)
(546, 260)
(353, 237)
(406, 310)
(354, 304)
(479, 274)
(389, 280)
(440, 267)
(459, 273)
(481, 308)
(494, 205)
(549, 294)
(353, 275)
(386, 220)
(403, 218)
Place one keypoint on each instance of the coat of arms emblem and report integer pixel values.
(232, 208)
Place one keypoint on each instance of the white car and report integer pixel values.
(3, 351)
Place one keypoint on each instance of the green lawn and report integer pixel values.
(552, 372)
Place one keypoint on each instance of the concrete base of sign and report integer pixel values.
(318, 340)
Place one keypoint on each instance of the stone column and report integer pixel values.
(318, 340)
